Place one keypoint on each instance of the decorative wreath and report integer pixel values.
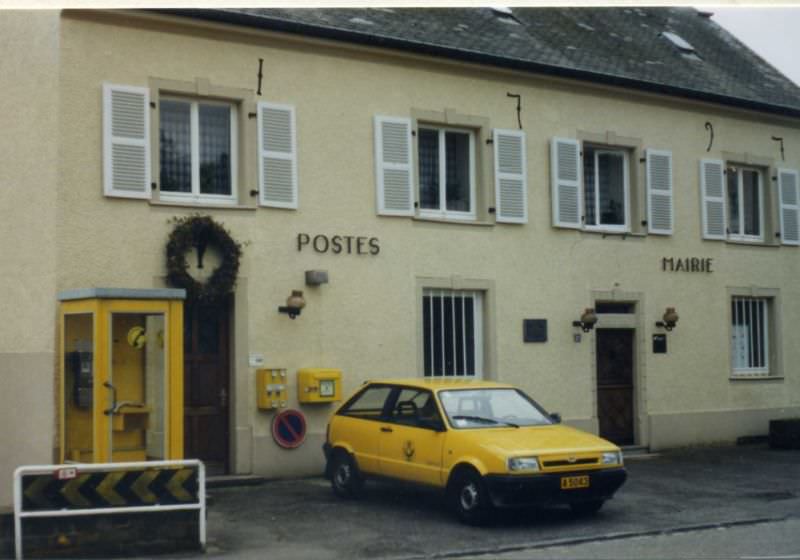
(200, 232)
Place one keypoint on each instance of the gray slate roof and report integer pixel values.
(620, 46)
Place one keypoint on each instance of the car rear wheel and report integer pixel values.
(346, 481)
(469, 499)
(586, 508)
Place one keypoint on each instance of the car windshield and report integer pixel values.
(490, 408)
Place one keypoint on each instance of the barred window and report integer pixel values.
(452, 333)
(750, 335)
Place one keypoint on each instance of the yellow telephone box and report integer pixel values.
(121, 375)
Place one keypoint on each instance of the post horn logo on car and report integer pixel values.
(408, 449)
(571, 459)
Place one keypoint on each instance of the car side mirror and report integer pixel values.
(555, 417)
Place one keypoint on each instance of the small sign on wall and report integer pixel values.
(659, 344)
(534, 330)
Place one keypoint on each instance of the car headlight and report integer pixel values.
(612, 458)
(516, 464)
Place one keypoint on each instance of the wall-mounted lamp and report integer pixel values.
(294, 304)
(587, 320)
(670, 318)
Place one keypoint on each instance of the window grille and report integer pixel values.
(750, 336)
(452, 333)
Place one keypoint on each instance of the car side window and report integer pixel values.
(368, 405)
(415, 407)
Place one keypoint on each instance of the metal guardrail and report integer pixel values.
(81, 489)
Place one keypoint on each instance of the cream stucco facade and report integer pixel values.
(60, 232)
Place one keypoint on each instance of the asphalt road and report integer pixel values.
(670, 498)
(776, 540)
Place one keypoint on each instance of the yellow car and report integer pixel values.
(485, 444)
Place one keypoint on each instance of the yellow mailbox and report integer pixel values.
(271, 388)
(319, 385)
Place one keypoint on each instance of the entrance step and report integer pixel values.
(226, 481)
(634, 451)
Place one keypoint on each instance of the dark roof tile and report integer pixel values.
(623, 46)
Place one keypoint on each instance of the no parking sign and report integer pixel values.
(289, 429)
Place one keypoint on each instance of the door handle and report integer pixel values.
(386, 429)
(113, 409)
(223, 397)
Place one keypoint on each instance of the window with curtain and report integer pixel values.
(197, 143)
(446, 172)
(605, 188)
(744, 200)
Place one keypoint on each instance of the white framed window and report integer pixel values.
(606, 189)
(745, 202)
(446, 159)
(750, 336)
(594, 188)
(452, 333)
(197, 150)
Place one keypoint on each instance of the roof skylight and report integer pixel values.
(678, 41)
(505, 15)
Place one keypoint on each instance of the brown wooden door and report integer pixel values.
(615, 385)
(206, 387)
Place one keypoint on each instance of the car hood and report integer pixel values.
(554, 439)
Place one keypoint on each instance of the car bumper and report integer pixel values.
(545, 489)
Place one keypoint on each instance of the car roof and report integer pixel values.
(437, 383)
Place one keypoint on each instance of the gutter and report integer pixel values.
(343, 35)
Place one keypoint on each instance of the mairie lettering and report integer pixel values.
(687, 264)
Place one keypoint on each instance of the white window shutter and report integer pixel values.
(126, 141)
(712, 187)
(510, 176)
(565, 174)
(277, 155)
(789, 191)
(393, 166)
(660, 214)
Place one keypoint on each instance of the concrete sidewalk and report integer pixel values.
(686, 489)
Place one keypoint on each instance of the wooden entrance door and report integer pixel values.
(615, 385)
(206, 385)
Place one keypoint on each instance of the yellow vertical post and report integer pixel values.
(62, 379)
(102, 394)
(175, 396)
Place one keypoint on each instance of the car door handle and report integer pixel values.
(386, 429)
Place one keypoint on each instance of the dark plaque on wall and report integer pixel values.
(659, 344)
(534, 330)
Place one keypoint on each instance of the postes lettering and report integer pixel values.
(338, 244)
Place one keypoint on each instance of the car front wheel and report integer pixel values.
(469, 499)
(345, 478)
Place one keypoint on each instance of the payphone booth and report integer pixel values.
(121, 375)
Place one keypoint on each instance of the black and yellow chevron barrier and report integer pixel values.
(91, 490)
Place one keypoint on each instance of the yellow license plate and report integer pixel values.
(572, 482)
